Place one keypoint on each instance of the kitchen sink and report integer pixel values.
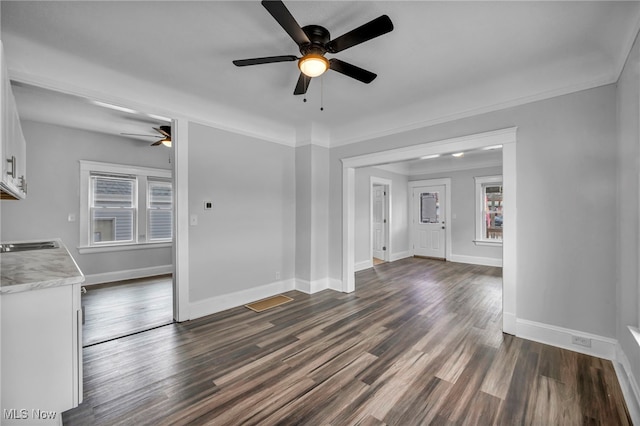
(38, 245)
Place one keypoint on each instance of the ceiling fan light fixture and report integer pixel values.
(166, 142)
(313, 65)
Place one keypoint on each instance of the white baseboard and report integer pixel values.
(130, 274)
(311, 287)
(628, 384)
(475, 260)
(361, 266)
(232, 300)
(400, 255)
(601, 347)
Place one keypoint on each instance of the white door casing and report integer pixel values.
(378, 220)
(428, 224)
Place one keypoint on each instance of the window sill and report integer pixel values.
(122, 247)
(488, 243)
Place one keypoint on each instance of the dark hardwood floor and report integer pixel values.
(418, 342)
(118, 309)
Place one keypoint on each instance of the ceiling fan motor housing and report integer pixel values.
(319, 37)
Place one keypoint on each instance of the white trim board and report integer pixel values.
(365, 264)
(601, 347)
(312, 287)
(476, 260)
(628, 384)
(130, 274)
(223, 302)
(400, 255)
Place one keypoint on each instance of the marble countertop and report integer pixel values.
(38, 269)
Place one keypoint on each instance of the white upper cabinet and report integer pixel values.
(13, 147)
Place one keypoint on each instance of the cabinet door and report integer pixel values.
(13, 145)
(39, 350)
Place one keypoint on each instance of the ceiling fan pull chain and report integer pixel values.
(322, 93)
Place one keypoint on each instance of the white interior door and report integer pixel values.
(428, 225)
(378, 221)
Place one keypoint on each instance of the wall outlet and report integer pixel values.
(581, 341)
(277, 275)
(208, 205)
(193, 220)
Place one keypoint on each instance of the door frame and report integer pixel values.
(447, 211)
(387, 183)
(505, 137)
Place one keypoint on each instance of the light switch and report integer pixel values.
(193, 220)
(71, 217)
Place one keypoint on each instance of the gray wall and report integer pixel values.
(566, 162)
(312, 222)
(463, 196)
(53, 174)
(399, 228)
(627, 212)
(250, 233)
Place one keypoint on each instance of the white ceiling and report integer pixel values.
(443, 59)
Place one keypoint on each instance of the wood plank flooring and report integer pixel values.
(118, 309)
(418, 342)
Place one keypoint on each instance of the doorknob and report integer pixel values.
(443, 227)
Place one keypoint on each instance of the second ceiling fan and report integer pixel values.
(315, 41)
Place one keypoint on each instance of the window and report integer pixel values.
(113, 211)
(159, 210)
(124, 206)
(489, 207)
(429, 207)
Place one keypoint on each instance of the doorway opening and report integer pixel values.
(123, 211)
(380, 241)
(505, 138)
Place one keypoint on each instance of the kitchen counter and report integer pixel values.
(38, 269)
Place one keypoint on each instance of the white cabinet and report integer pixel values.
(41, 354)
(13, 151)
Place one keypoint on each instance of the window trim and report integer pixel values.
(480, 181)
(87, 168)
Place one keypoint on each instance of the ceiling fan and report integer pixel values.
(165, 131)
(315, 41)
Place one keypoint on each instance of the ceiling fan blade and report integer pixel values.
(302, 85)
(136, 134)
(265, 60)
(157, 143)
(279, 11)
(163, 130)
(366, 32)
(351, 71)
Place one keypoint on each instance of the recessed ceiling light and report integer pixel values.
(486, 148)
(458, 154)
(426, 157)
(115, 107)
(159, 117)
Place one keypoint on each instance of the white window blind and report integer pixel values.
(113, 209)
(159, 210)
